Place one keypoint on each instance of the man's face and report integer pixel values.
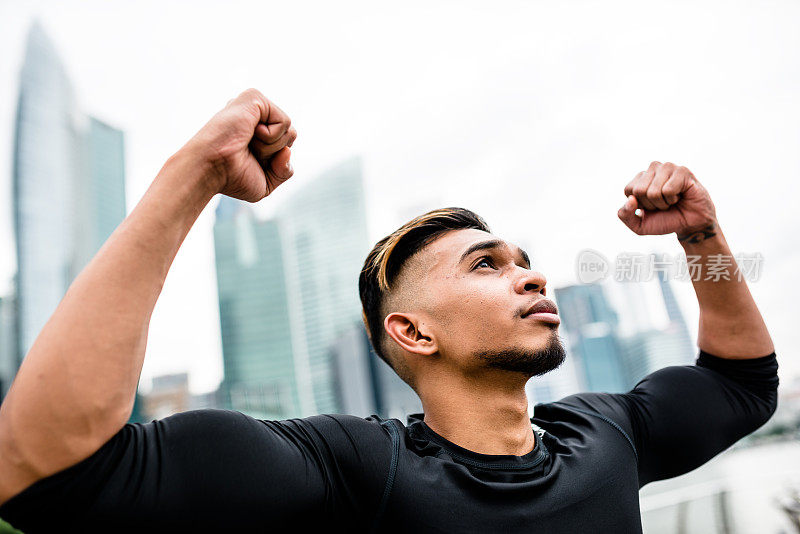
(478, 290)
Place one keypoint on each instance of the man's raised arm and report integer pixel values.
(76, 386)
(679, 417)
(673, 200)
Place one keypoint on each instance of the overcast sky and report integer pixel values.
(533, 114)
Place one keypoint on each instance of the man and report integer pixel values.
(457, 312)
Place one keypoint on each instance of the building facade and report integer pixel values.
(9, 353)
(589, 323)
(324, 233)
(68, 188)
(288, 288)
(259, 369)
(47, 156)
(366, 384)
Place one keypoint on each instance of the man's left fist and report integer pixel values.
(671, 200)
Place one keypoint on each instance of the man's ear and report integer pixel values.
(410, 333)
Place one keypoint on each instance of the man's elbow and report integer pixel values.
(16, 472)
(770, 406)
(31, 451)
(765, 404)
(772, 396)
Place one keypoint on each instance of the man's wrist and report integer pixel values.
(199, 163)
(700, 235)
(185, 185)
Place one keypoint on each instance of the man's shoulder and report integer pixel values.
(580, 409)
(348, 429)
(330, 428)
(592, 401)
(346, 421)
(356, 444)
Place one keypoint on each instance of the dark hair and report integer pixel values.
(385, 261)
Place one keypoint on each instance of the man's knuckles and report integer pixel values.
(656, 198)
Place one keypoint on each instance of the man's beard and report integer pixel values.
(531, 362)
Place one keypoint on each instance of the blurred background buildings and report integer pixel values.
(293, 343)
(68, 196)
(292, 338)
(288, 287)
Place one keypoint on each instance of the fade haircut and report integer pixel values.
(385, 262)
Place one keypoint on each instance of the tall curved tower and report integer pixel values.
(45, 159)
(68, 186)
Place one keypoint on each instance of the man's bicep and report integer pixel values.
(682, 416)
(204, 467)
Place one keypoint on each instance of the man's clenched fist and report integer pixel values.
(671, 200)
(247, 146)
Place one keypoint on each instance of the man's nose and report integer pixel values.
(531, 281)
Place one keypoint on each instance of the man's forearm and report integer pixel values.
(731, 325)
(77, 383)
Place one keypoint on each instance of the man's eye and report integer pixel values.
(483, 260)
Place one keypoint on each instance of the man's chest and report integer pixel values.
(585, 483)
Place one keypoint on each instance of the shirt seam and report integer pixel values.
(387, 490)
(610, 422)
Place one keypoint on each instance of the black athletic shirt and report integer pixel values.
(220, 470)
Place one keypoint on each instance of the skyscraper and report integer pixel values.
(367, 385)
(657, 336)
(260, 374)
(100, 202)
(9, 353)
(683, 350)
(68, 187)
(651, 350)
(590, 324)
(324, 232)
(288, 289)
(47, 156)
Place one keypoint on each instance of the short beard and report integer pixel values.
(530, 362)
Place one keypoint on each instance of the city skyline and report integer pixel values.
(532, 114)
(287, 292)
(65, 204)
(569, 111)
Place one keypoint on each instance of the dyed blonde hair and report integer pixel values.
(385, 262)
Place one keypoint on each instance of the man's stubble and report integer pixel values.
(532, 362)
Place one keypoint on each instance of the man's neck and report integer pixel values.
(487, 417)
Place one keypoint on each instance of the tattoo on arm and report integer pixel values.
(699, 235)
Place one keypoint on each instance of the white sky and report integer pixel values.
(533, 114)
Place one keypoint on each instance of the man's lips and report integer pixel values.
(543, 310)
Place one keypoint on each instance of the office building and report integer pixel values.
(589, 323)
(683, 350)
(324, 234)
(67, 203)
(68, 188)
(258, 363)
(288, 288)
(366, 384)
(9, 353)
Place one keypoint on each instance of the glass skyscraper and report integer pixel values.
(100, 203)
(68, 187)
(683, 349)
(367, 385)
(260, 377)
(651, 348)
(288, 288)
(590, 323)
(9, 353)
(613, 360)
(46, 158)
(324, 232)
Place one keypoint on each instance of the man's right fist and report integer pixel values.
(247, 145)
